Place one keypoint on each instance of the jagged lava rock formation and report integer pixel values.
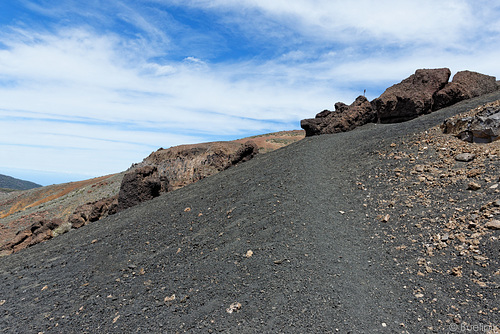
(412, 97)
(423, 92)
(465, 85)
(344, 118)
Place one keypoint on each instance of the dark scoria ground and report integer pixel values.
(321, 260)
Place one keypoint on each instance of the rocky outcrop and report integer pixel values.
(481, 125)
(139, 185)
(39, 231)
(163, 171)
(423, 92)
(94, 211)
(412, 97)
(176, 167)
(344, 118)
(245, 153)
(465, 85)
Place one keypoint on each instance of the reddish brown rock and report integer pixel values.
(91, 212)
(412, 97)
(182, 165)
(344, 118)
(465, 85)
(173, 168)
(245, 153)
(39, 231)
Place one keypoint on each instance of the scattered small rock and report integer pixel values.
(234, 307)
(494, 224)
(473, 186)
(385, 218)
(465, 157)
(457, 271)
(170, 298)
(249, 253)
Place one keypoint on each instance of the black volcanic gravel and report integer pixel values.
(176, 264)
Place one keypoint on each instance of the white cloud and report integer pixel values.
(347, 21)
(79, 91)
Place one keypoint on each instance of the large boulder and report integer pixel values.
(182, 165)
(412, 97)
(344, 118)
(480, 125)
(139, 185)
(465, 85)
(245, 153)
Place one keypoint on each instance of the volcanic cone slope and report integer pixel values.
(283, 243)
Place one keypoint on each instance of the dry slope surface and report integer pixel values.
(291, 241)
(19, 210)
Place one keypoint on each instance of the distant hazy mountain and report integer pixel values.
(13, 183)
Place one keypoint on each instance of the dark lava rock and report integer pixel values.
(344, 118)
(243, 154)
(412, 97)
(139, 185)
(482, 126)
(423, 92)
(465, 85)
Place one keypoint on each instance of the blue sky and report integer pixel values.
(89, 87)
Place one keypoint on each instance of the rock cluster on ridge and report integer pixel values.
(412, 97)
(424, 91)
(344, 118)
(40, 231)
(465, 85)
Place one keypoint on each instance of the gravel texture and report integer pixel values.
(300, 240)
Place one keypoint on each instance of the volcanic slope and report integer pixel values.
(288, 235)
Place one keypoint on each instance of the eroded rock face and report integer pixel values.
(139, 185)
(39, 231)
(176, 167)
(481, 125)
(465, 85)
(412, 97)
(344, 118)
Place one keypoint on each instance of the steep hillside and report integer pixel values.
(8, 182)
(79, 202)
(368, 231)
